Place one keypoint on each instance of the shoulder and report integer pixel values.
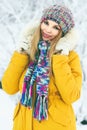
(19, 58)
(16, 54)
(73, 55)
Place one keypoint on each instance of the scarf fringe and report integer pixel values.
(41, 107)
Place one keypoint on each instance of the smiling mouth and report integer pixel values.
(45, 35)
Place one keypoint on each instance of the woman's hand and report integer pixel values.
(24, 45)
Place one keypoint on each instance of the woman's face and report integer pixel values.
(49, 30)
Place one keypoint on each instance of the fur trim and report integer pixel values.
(69, 39)
(68, 42)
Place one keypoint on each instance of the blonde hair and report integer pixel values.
(35, 40)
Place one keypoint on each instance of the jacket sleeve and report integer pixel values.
(11, 77)
(67, 76)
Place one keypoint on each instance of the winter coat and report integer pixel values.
(64, 89)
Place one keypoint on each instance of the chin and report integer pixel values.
(46, 39)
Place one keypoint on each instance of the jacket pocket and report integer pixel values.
(16, 111)
(58, 115)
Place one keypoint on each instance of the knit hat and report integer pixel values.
(60, 14)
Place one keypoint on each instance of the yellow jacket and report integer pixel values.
(64, 89)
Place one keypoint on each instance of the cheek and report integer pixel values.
(55, 33)
(42, 26)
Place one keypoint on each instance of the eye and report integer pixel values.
(46, 22)
(57, 28)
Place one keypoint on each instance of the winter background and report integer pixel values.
(14, 16)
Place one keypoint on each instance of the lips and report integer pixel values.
(45, 35)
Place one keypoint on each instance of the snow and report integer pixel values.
(14, 15)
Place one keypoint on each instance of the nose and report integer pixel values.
(48, 29)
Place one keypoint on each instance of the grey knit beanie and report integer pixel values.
(60, 14)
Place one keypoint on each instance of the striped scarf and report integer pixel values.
(38, 73)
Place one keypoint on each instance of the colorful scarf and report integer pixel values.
(38, 73)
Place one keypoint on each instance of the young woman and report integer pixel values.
(47, 72)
